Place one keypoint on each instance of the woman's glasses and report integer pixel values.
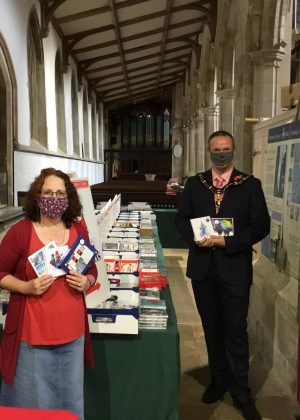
(59, 194)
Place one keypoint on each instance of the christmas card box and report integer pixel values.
(202, 227)
(123, 281)
(223, 226)
(80, 256)
(128, 266)
(111, 265)
(117, 315)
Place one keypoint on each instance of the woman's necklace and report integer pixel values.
(49, 237)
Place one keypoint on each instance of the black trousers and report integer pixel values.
(223, 308)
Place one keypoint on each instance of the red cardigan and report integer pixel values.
(14, 250)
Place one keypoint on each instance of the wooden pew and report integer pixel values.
(153, 192)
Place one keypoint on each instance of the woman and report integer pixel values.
(46, 335)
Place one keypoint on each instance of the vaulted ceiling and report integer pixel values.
(130, 50)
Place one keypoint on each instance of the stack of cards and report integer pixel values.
(80, 256)
(46, 260)
(204, 227)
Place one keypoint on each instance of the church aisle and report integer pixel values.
(270, 398)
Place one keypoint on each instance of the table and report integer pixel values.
(11, 413)
(136, 377)
(168, 235)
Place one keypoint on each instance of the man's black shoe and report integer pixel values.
(213, 393)
(248, 410)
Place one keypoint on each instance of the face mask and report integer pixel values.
(52, 206)
(222, 159)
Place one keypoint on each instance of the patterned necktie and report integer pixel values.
(219, 181)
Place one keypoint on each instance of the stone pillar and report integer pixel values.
(185, 152)
(177, 132)
(226, 109)
(200, 143)
(177, 137)
(192, 149)
(266, 64)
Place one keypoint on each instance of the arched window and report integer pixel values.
(60, 104)
(75, 126)
(94, 133)
(85, 126)
(36, 81)
(7, 125)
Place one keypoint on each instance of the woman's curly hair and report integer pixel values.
(31, 208)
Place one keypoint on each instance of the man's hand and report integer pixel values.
(218, 241)
(211, 241)
(206, 242)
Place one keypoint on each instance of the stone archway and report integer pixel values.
(36, 80)
(85, 125)
(7, 124)
(75, 126)
(60, 104)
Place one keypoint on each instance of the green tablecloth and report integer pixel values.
(136, 376)
(168, 235)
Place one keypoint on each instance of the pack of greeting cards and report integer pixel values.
(204, 227)
(47, 259)
(79, 257)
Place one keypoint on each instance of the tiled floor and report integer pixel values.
(270, 398)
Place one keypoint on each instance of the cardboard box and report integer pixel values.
(118, 320)
(290, 95)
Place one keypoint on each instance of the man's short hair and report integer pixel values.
(222, 133)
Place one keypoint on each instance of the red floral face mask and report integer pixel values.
(53, 206)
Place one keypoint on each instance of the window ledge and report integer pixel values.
(10, 214)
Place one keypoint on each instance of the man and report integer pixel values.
(220, 267)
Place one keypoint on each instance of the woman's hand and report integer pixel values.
(78, 281)
(39, 285)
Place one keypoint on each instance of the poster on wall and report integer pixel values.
(282, 191)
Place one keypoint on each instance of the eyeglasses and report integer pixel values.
(59, 194)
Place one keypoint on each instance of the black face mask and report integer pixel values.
(222, 159)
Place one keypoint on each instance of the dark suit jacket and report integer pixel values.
(245, 202)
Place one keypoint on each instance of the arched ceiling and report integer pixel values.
(130, 50)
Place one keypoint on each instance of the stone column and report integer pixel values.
(185, 152)
(177, 132)
(226, 109)
(192, 149)
(200, 143)
(266, 64)
(177, 137)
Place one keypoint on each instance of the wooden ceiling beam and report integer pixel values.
(150, 85)
(164, 38)
(163, 95)
(47, 13)
(97, 11)
(133, 78)
(89, 61)
(135, 49)
(129, 70)
(143, 94)
(171, 80)
(75, 38)
(130, 50)
(119, 40)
